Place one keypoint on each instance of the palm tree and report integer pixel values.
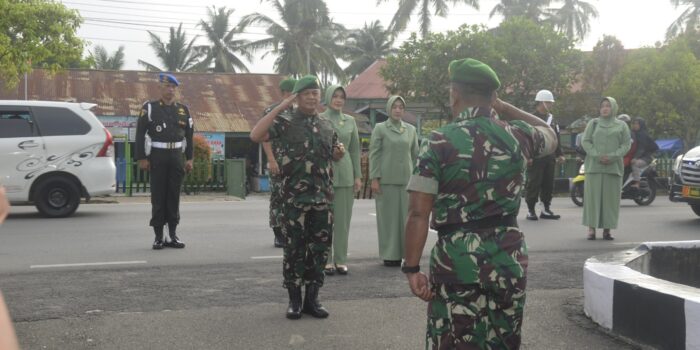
(689, 19)
(366, 45)
(407, 7)
(531, 9)
(104, 61)
(573, 18)
(225, 49)
(300, 39)
(177, 55)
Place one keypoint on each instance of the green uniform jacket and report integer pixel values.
(347, 169)
(392, 151)
(606, 137)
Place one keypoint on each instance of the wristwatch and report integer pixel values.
(409, 269)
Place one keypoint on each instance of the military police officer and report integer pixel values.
(540, 173)
(308, 145)
(170, 128)
(271, 149)
(469, 174)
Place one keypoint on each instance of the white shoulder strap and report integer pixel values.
(149, 112)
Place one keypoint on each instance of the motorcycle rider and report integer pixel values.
(644, 147)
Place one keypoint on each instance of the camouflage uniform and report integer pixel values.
(475, 168)
(275, 180)
(305, 158)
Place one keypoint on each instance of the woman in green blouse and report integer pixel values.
(392, 155)
(346, 178)
(606, 140)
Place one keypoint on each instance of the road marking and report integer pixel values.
(266, 257)
(88, 264)
(627, 243)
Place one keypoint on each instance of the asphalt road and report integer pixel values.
(92, 281)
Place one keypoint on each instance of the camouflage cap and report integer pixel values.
(287, 85)
(305, 83)
(472, 72)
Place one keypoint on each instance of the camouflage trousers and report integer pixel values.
(308, 230)
(275, 201)
(479, 286)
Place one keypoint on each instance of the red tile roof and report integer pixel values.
(218, 102)
(369, 84)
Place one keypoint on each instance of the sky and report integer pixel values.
(111, 23)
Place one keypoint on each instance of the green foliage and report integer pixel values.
(201, 172)
(663, 86)
(364, 46)
(103, 60)
(39, 33)
(406, 9)
(604, 62)
(226, 48)
(526, 56)
(177, 55)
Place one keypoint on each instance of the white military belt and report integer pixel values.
(166, 145)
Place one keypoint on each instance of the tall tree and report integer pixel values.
(408, 7)
(573, 18)
(533, 10)
(103, 60)
(177, 55)
(225, 49)
(603, 64)
(39, 33)
(688, 20)
(366, 45)
(298, 39)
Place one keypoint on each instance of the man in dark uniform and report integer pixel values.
(271, 149)
(170, 127)
(308, 147)
(540, 172)
(469, 175)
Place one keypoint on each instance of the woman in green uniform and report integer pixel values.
(606, 141)
(346, 178)
(392, 154)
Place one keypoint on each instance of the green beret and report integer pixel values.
(287, 85)
(472, 72)
(307, 82)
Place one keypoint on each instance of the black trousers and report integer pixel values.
(540, 182)
(167, 174)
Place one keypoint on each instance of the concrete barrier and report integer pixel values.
(622, 295)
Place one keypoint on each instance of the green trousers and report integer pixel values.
(601, 200)
(342, 213)
(392, 211)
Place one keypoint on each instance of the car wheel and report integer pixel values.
(57, 197)
(696, 208)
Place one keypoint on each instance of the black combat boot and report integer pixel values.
(294, 309)
(174, 241)
(158, 243)
(311, 304)
(548, 214)
(280, 242)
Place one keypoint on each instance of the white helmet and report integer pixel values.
(624, 117)
(544, 96)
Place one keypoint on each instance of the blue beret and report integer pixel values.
(169, 78)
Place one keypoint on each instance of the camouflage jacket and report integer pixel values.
(305, 157)
(475, 166)
(275, 143)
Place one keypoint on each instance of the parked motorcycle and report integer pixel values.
(645, 195)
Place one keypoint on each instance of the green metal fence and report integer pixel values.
(204, 177)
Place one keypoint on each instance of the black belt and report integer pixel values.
(481, 224)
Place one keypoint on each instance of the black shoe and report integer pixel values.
(158, 244)
(531, 215)
(311, 304)
(392, 263)
(174, 242)
(279, 242)
(547, 214)
(294, 309)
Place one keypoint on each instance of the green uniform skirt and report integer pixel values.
(601, 200)
(392, 210)
(342, 213)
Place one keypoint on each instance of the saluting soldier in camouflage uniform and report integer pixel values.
(271, 149)
(308, 145)
(469, 173)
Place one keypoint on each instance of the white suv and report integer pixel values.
(54, 153)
